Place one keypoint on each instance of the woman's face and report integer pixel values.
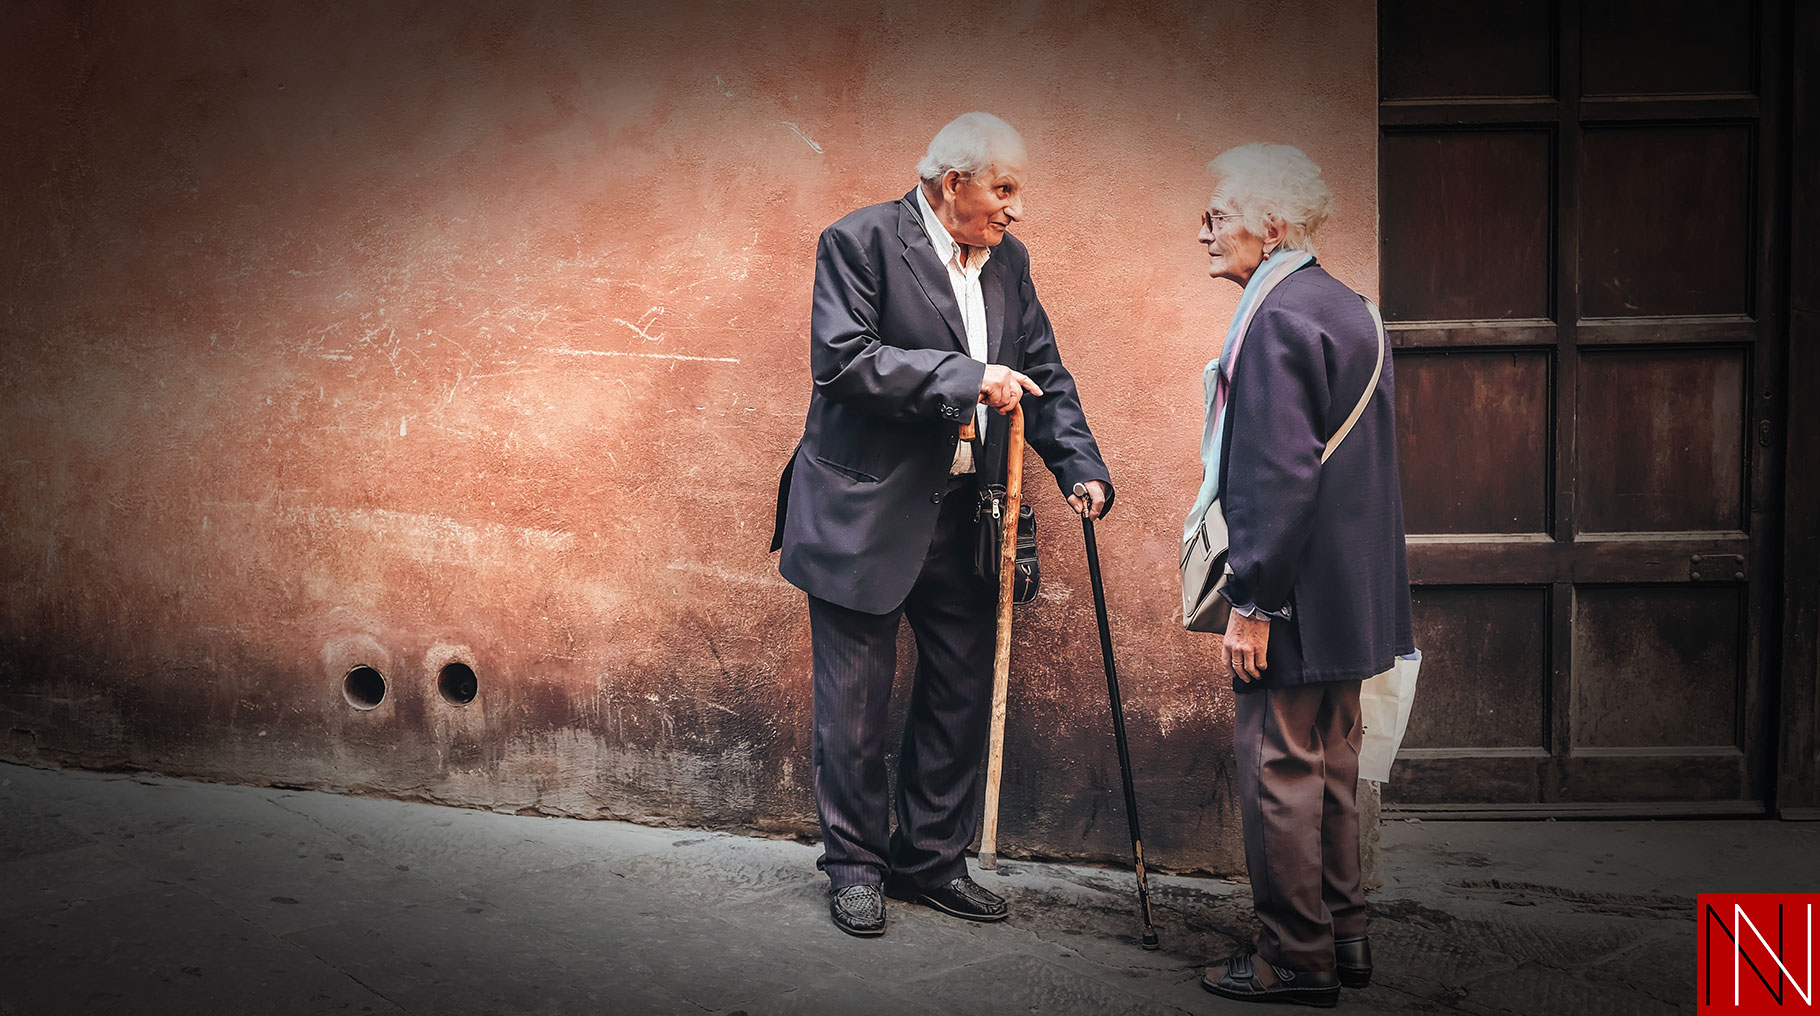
(1233, 251)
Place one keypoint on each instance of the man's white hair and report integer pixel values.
(1264, 183)
(971, 143)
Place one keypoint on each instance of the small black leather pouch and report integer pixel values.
(989, 524)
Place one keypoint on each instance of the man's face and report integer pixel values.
(982, 207)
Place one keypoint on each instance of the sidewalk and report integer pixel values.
(144, 895)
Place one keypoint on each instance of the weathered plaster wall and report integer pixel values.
(392, 334)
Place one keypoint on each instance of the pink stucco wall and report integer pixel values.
(341, 334)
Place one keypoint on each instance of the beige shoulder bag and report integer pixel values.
(1204, 571)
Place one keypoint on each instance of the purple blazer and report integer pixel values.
(1323, 540)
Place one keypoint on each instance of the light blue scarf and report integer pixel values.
(1274, 269)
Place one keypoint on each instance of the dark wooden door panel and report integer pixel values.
(1656, 783)
(1464, 221)
(1574, 264)
(1666, 227)
(1668, 660)
(1440, 48)
(1667, 47)
(1662, 440)
(1457, 411)
(1532, 784)
(1595, 558)
(1485, 671)
(1456, 782)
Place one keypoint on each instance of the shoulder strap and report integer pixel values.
(1359, 410)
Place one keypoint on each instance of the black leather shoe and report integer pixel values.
(1352, 958)
(962, 897)
(1319, 988)
(858, 909)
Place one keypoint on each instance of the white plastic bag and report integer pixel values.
(1384, 702)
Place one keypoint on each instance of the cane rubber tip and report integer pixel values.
(988, 861)
(1150, 941)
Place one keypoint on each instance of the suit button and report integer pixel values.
(935, 498)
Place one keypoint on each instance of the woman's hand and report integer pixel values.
(1246, 646)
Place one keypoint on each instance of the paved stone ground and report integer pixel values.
(144, 895)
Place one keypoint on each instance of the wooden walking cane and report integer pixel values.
(1001, 658)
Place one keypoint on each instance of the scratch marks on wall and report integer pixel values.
(768, 577)
(643, 328)
(482, 377)
(1192, 713)
(805, 137)
(431, 539)
(646, 356)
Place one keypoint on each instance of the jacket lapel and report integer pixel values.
(992, 287)
(919, 254)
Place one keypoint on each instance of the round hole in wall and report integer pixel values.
(458, 683)
(364, 687)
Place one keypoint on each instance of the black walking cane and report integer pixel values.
(1118, 718)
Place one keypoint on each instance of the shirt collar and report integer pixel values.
(939, 239)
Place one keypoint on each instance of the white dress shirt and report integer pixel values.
(964, 276)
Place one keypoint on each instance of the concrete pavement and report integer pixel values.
(124, 893)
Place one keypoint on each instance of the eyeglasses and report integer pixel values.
(1208, 219)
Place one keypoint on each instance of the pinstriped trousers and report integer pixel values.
(1298, 777)
(952, 613)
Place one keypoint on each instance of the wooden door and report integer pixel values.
(1580, 206)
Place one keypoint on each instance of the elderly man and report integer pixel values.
(924, 309)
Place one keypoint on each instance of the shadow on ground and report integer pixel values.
(145, 895)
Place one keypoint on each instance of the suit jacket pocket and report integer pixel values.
(859, 476)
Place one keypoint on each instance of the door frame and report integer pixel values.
(1797, 785)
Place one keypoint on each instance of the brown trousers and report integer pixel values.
(1298, 775)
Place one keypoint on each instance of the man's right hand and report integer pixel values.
(1002, 387)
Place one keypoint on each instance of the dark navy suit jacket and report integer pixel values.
(1326, 540)
(858, 501)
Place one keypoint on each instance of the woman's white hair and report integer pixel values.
(1266, 183)
(971, 143)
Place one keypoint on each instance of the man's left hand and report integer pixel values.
(1094, 504)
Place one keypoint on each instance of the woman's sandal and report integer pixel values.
(1320, 988)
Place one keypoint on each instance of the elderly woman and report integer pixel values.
(1300, 451)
